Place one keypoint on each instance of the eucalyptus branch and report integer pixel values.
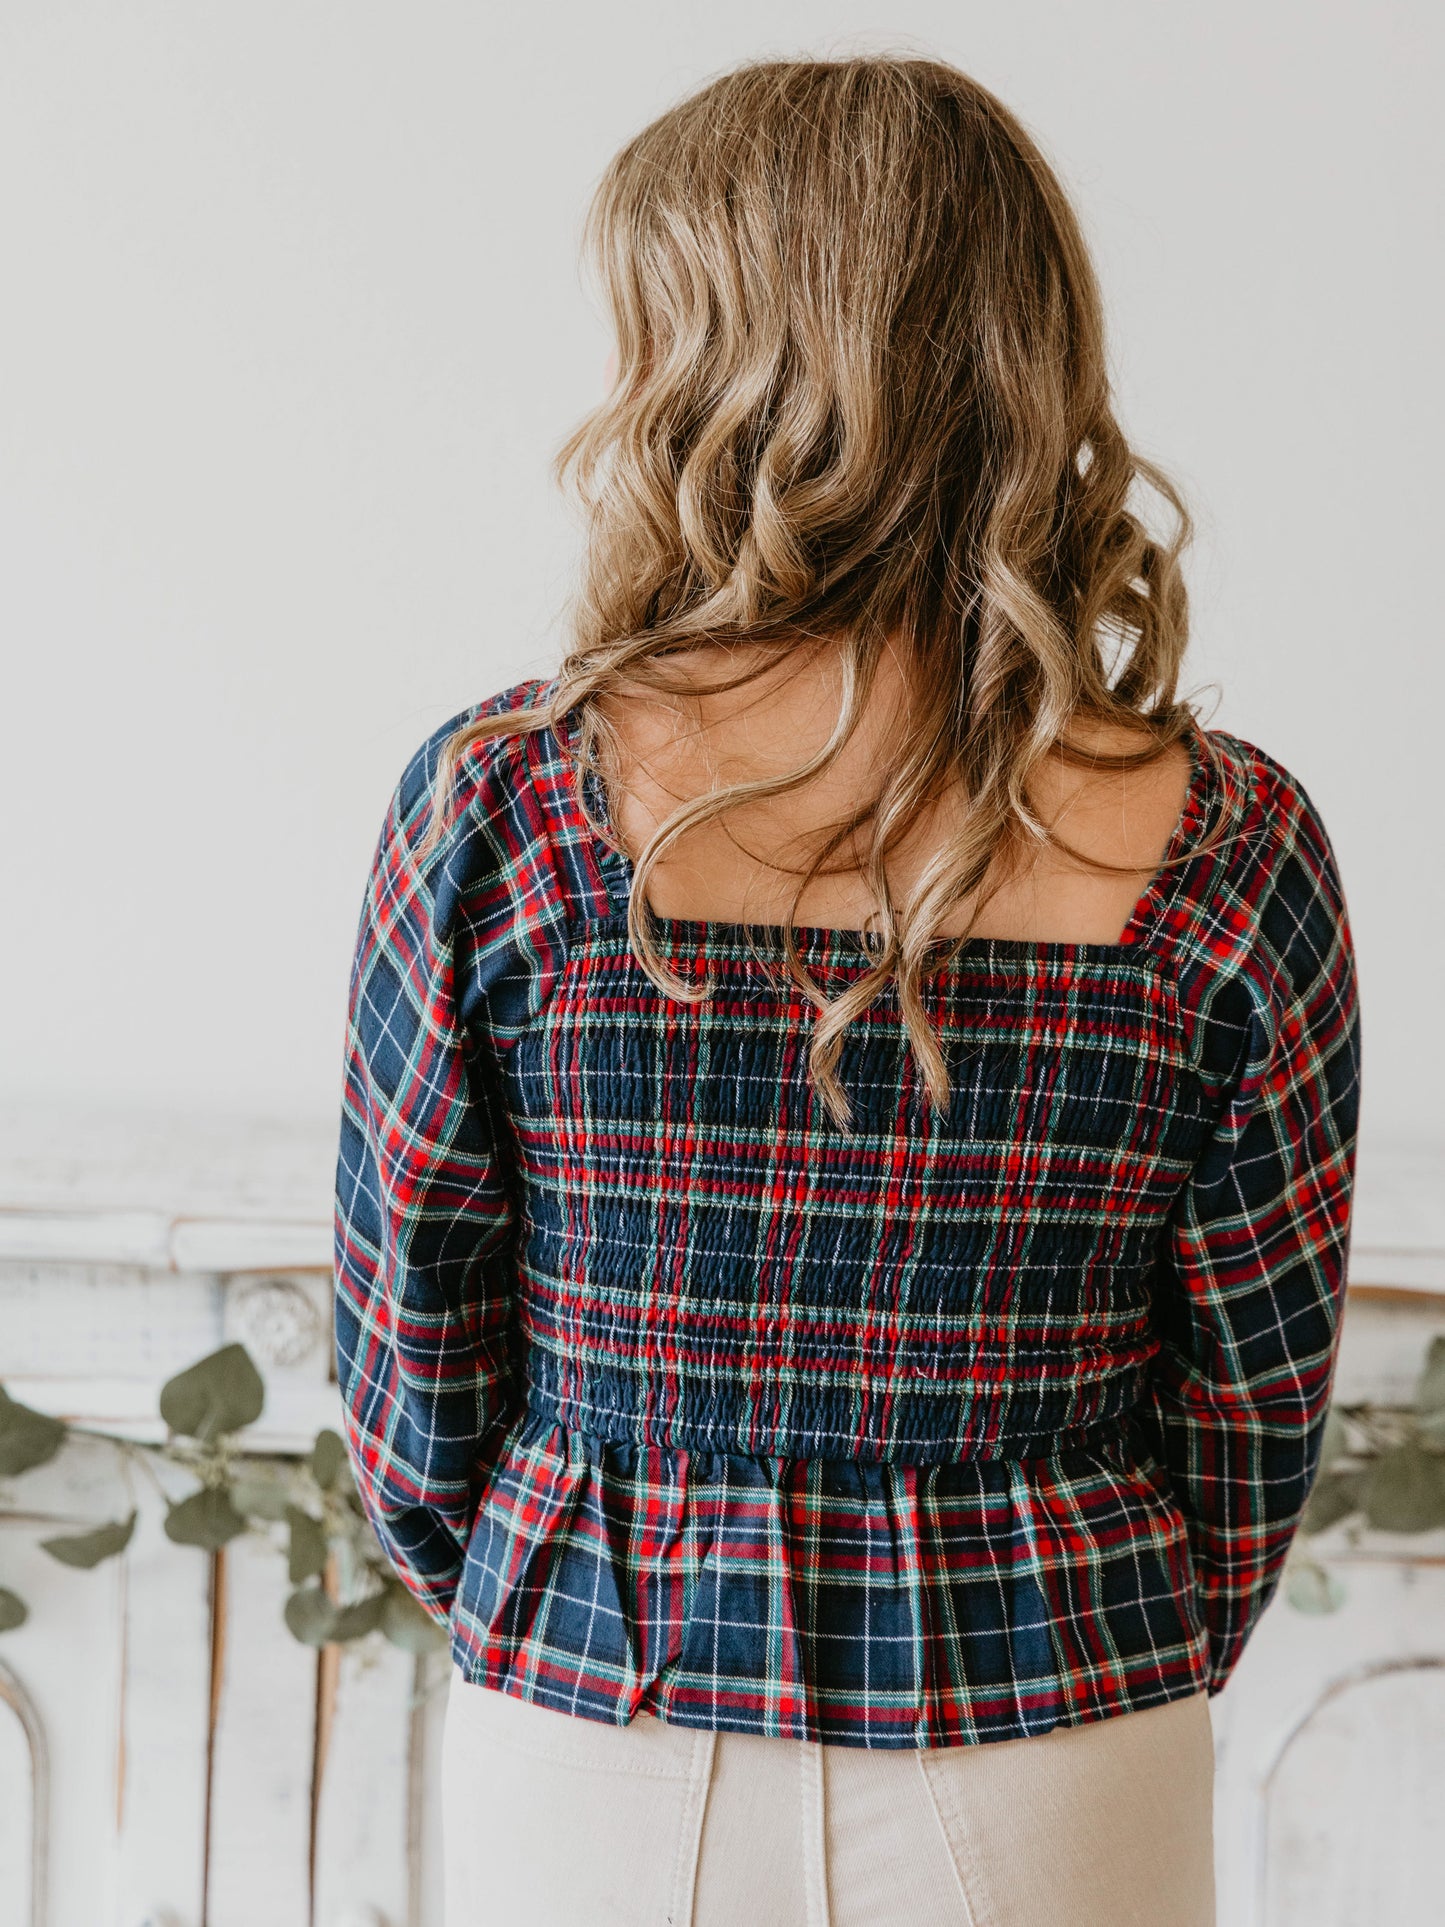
(343, 1585)
(1381, 1466)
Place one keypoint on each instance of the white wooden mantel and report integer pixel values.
(171, 1757)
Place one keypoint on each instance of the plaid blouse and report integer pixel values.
(663, 1390)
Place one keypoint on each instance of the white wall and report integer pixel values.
(291, 325)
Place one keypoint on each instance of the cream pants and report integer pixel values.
(558, 1821)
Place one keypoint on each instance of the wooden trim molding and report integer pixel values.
(27, 1717)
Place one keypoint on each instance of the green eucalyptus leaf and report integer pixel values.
(260, 1495)
(13, 1610)
(1404, 1490)
(328, 1458)
(207, 1518)
(310, 1615)
(1334, 1497)
(1430, 1392)
(355, 1621)
(86, 1549)
(306, 1554)
(221, 1393)
(27, 1438)
(1309, 1588)
(407, 1623)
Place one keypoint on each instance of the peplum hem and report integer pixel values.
(855, 1603)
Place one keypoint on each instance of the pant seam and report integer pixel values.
(958, 1855)
(815, 1847)
(689, 1832)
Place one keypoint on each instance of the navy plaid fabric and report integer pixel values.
(665, 1391)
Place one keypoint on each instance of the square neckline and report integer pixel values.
(845, 943)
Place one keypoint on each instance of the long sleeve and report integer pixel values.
(426, 1214)
(1250, 1283)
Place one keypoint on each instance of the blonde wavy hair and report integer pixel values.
(862, 401)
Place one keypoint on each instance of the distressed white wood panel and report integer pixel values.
(113, 1237)
(429, 1713)
(150, 1238)
(104, 1322)
(1393, 1612)
(101, 1360)
(67, 1658)
(262, 1749)
(1353, 1811)
(165, 1725)
(1398, 1235)
(24, 1789)
(178, 1193)
(55, 1160)
(362, 1811)
(1383, 1342)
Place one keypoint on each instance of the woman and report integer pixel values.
(849, 1126)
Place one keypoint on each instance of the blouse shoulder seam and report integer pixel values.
(1211, 938)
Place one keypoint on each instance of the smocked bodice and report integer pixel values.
(708, 1259)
